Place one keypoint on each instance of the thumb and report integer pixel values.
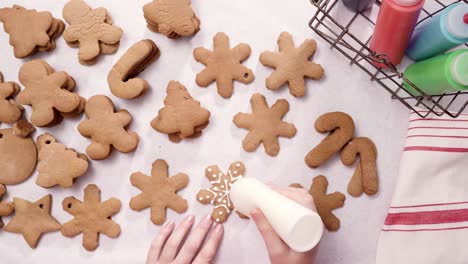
(275, 246)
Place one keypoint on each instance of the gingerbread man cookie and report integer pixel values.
(58, 165)
(6, 208)
(32, 220)
(91, 217)
(325, 203)
(47, 92)
(121, 77)
(10, 110)
(182, 116)
(18, 153)
(365, 176)
(173, 18)
(265, 125)
(223, 65)
(159, 192)
(341, 128)
(30, 30)
(291, 65)
(218, 194)
(106, 128)
(88, 28)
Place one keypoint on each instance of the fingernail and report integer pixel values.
(218, 228)
(189, 219)
(207, 219)
(168, 225)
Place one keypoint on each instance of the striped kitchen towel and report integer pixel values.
(428, 218)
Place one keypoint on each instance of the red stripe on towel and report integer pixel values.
(436, 127)
(425, 229)
(426, 205)
(428, 217)
(441, 119)
(435, 149)
(435, 136)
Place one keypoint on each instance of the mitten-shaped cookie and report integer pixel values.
(182, 116)
(218, 194)
(89, 27)
(223, 65)
(291, 64)
(106, 128)
(159, 191)
(6, 208)
(10, 111)
(58, 165)
(91, 217)
(341, 128)
(173, 18)
(265, 125)
(46, 92)
(365, 176)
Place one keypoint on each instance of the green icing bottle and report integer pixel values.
(442, 74)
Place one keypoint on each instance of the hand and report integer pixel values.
(278, 251)
(165, 247)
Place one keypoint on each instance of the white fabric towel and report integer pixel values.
(427, 221)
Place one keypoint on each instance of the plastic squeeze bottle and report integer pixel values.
(438, 75)
(298, 226)
(395, 24)
(358, 5)
(440, 33)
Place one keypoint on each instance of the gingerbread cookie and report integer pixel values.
(341, 128)
(365, 176)
(91, 217)
(182, 116)
(159, 192)
(223, 65)
(32, 220)
(291, 65)
(218, 194)
(265, 125)
(6, 208)
(121, 77)
(58, 165)
(18, 154)
(88, 28)
(325, 203)
(30, 30)
(47, 91)
(10, 110)
(106, 128)
(173, 18)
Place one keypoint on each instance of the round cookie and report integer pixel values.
(18, 159)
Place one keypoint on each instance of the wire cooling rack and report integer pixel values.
(346, 34)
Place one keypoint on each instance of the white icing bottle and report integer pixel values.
(298, 226)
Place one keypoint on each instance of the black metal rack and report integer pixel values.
(342, 36)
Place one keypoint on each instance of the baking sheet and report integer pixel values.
(257, 23)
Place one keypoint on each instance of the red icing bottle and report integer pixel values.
(395, 24)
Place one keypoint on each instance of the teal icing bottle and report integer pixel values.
(438, 34)
(442, 74)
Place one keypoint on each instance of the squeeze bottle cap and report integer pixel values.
(407, 2)
(457, 19)
(459, 69)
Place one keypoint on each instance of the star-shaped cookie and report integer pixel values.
(159, 192)
(218, 194)
(32, 219)
(291, 64)
(223, 65)
(265, 125)
(10, 111)
(91, 217)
